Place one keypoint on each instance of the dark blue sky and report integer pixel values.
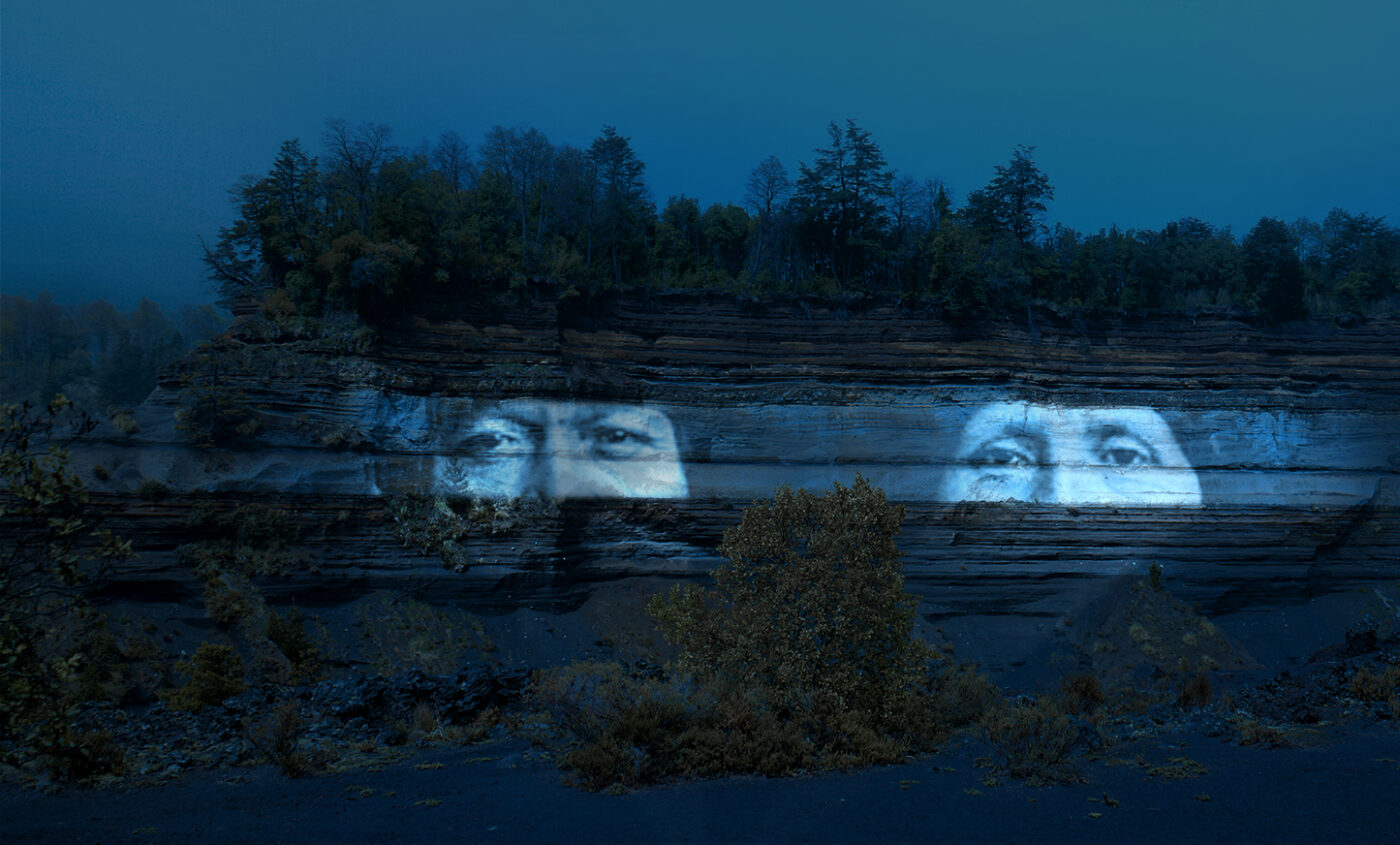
(122, 125)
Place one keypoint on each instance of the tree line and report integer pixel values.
(97, 356)
(377, 229)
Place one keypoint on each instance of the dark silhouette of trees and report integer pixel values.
(376, 230)
(623, 209)
(356, 154)
(840, 204)
(1014, 201)
(766, 196)
(1273, 274)
(523, 158)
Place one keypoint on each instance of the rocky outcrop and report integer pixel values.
(1289, 431)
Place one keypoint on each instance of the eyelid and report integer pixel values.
(1024, 452)
(1123, 442)
(610, 440)
(498, 435)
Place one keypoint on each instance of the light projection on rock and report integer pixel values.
(926, 448)
(560, 450)
(1046, 454)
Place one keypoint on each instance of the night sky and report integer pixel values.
(122, 125)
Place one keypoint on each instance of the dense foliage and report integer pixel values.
(375, 229)
(809, 612)
(802, 656)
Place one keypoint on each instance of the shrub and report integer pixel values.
(1035, 740)
(82, 755)
(277, 738)
(212, 414)
(1082, 692)
(1382, 686)
(125, 423)
(152, 491)
(809, 614)
(288, 633)
(400, 633)
(801, 656)
(250, 540)
(215, 674)
(1196, 692)
(437, 526)
(627, 731)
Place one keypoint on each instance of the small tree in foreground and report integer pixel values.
(801, 656)
(52, 554)
(809, 616)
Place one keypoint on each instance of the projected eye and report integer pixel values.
(611, 441)
(1124, 451)
(498, 438)
(1006, 452)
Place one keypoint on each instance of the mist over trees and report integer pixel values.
(378, 230)
(97, 356)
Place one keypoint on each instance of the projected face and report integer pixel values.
(562, 450)
(1017, 451)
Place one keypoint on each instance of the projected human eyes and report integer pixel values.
(1125, 450)
(1005, 452)
(627, 433)
(564, 450)
(498, 437)
(1084, 456)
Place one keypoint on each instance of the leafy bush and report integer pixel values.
(1381, 686)
(400, 632)
(215, 674)
(125, 423)
(628, 730)
(251, 539)
(801, 657)
(809, 615)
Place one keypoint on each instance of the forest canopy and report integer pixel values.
(379, 230)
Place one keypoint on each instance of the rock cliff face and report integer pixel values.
(1039, 458)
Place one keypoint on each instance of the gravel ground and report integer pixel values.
(1341, 784)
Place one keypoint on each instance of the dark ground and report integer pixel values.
(1342, 783)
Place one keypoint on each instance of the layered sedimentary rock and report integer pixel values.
(1038, 458)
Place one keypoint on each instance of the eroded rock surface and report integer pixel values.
(1289, 432)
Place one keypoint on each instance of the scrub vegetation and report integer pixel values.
(439, 526)
(54, 553)
(801, 653)
(802, 656)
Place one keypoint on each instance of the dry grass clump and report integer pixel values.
(278, 738)
(1252, 731)
(1196, 693)
(1383, 686)
(1036, 739)
(1082, 692)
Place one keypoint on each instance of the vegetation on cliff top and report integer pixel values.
(380, 230)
